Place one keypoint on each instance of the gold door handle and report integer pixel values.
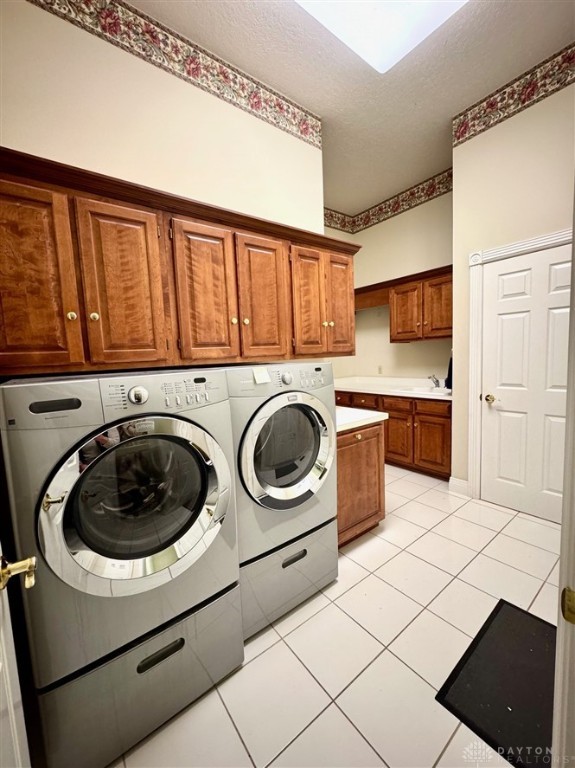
(331, 323)
(358, 437)
(94, 316)
(48, 501)
(72, 316)
(234, 320)
(568, 605)
(325, 323)
(27, 567)
(490, 399)
(246, 321)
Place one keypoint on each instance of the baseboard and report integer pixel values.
(458, 486)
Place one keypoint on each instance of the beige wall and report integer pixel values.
(68, 96)
(376, 356)
(414, 241)
(511, 183)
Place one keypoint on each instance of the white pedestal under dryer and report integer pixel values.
(122, 487)
(285, 438)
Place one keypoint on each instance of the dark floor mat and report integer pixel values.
(502, 687)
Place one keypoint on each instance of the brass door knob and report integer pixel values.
(331, 323)
(490, 399)
(358, 437)
(94, 316)
(234, 320)
(325, 323)
(246, 321)
(72, 316)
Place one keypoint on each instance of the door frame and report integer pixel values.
(476, 261)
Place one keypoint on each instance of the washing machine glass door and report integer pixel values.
(134, 506)
(287, 450)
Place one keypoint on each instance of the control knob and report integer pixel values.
(287, 378)
(138, 395)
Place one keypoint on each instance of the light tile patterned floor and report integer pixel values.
(348, 679)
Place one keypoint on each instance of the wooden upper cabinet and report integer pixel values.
(263, 294)
(206, 290)
(323, 302)
(421, 310)
(123, 292)
(309, 297)
(405, 312)
(39, 311)
(340, 303)
(437, 307)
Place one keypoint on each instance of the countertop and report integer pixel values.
(354, 418)
(402, 387)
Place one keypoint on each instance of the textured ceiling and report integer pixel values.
(381, 133)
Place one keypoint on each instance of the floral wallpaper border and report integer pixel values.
(550, 76)
(120, 24)
(421, 193)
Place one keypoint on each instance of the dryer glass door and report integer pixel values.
(287, 451)
(135, 505)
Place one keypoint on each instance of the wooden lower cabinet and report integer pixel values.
(360, 481)
(418, 434)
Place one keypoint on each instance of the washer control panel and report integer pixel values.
(161, 392)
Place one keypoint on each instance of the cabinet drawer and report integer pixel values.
(434, 407)
(354, 436)
(397, 404)
(363, 400)
(343, 398)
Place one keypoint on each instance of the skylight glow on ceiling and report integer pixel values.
(382, 32)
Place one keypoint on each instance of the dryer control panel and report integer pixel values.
(162, 392)
(266, 380)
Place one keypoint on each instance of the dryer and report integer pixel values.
(283, 419)
(122, 486)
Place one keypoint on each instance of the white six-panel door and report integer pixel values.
(525, 344)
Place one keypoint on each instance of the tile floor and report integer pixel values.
(348, 679)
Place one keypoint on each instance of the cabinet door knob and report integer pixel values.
(358, 437)
(325, 323)
(72, 316)
(418, 324)
(331, 323)
(246, 321)
(234, 321)
(94, 316)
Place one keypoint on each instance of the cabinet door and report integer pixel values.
(399, 438)
(39, 312)
(360, 481)
(432, 443)
(405, 312)
(309, 301)
(340, 302)
(264, 302)
(437, 307)
(206, 290)
(120, 253)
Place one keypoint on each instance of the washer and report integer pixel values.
(122, 487)
(283, 419)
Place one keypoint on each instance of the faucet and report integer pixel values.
(434, 379)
